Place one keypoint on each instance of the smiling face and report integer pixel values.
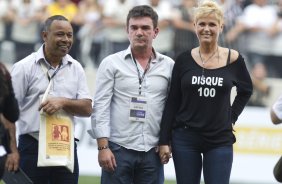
(208, 28)
(58, 39)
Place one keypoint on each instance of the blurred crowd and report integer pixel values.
(253, 27)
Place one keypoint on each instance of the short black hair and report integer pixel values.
(143, 11)
(49, 21)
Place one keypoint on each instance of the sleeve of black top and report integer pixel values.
(244, 89)
(11, 108)
(171, 106)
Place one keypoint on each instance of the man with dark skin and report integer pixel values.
(68, 92)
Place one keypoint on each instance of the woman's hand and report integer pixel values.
(164, 153)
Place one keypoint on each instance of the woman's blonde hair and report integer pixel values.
(207, 7)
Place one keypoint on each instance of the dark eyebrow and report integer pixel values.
(143, 26)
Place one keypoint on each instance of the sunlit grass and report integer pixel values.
(96, 180)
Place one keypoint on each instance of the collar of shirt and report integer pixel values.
(67, 59)
(157, 56)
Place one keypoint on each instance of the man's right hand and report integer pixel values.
(107, 160)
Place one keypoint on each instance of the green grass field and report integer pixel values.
(96, 180)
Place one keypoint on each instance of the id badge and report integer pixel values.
(138, 109)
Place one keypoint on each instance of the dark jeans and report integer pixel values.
(134, 167)
(28, 148)
(191, 154)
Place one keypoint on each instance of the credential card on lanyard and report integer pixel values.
(138, 109)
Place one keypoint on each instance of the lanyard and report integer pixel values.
(55, 72)
(44, 68)
(141, 78)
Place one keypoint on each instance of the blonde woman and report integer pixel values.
(198, 118)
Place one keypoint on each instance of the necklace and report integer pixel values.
(204, 62)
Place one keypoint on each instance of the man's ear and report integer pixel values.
(43, 35)
(157, 30)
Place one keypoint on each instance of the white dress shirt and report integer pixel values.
(116, 82)
(30, 82)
